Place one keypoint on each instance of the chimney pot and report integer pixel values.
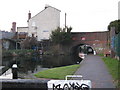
(46, 6)
(13, 29)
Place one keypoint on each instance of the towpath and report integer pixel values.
(93, 68)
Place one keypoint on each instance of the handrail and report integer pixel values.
(74, 76)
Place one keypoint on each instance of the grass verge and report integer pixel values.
(113, 67)
(57, 73)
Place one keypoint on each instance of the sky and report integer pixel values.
(82, 15)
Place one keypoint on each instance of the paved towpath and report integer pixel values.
(93, 68)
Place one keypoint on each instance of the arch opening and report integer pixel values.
(81, 50)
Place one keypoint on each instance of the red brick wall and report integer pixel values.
(98, 40)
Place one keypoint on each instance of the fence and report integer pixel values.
(117, 44)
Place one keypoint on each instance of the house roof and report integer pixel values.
(45, 9)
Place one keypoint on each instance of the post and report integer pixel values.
(65, 20)
(14, 71)
(16, 40)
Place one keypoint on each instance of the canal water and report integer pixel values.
(29, 65)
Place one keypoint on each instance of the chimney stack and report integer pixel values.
(46, 6)
(13, 29)
(29, 16)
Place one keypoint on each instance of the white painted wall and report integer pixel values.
(44, 22)
(22, 29)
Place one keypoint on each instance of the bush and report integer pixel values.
(59, 36)
(10, 53)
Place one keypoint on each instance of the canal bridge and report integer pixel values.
(99, 41)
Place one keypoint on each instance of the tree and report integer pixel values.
(115, 24)
(28, 43)
(59, 36)
(69, 29)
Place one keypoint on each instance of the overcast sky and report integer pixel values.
(82, 15)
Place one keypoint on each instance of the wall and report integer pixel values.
(117, 45)
(23, 84)
(98, 40)
(114, 43)
(8, 44)
(22, 29)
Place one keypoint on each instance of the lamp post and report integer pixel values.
(17, 35)
(65, 22)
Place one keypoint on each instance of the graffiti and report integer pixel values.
(71, 86)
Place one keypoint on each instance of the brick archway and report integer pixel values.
(97, 40)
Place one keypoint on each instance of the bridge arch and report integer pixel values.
(82, 48)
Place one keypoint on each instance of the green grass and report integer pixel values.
(101, 54)
(113, 67)
(57, 73)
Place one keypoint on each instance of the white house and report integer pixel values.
(42, 24)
